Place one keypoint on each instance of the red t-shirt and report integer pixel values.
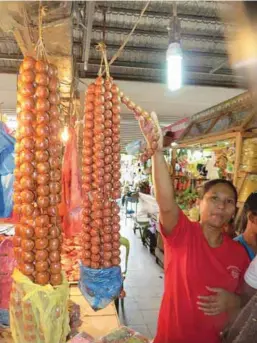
(191, 265)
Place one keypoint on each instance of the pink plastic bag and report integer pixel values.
(7, 262)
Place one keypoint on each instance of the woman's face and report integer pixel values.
(218, 206)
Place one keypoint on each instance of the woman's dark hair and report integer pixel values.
(250, 205)
(208, 185)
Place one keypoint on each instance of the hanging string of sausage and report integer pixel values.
(101, 175)
(37, 173)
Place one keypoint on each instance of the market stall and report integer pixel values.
(216, 145)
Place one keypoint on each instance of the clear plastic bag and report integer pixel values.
(100, 286)
(38, 314)
(134, 147)
(124, 335)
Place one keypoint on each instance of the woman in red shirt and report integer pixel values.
(204, 268)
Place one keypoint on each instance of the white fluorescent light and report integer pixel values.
(174, 61)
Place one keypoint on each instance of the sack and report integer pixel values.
(38, 314)
(100, 286)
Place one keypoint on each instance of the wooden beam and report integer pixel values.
(213, 123)
(210, 138)
(248, 118)
(190, 125)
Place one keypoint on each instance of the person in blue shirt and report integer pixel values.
(248, 226)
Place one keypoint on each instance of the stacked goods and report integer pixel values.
(101, 175)
(70, 258)
(37, 185)
(249, 156)
(249, 186)
(144, 118)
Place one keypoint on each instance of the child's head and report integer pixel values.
(249, 214)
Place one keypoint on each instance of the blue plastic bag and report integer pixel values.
(100, 286)
(4, 318)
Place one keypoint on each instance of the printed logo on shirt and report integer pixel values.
(234, 271)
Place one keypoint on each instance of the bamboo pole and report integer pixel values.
(239, 143)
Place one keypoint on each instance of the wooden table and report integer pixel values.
(96, 324)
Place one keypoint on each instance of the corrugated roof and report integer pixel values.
(202, 40)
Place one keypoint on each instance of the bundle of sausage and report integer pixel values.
(101, 176)
(153, 134)
(37, 185)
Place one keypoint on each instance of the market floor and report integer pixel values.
(143, 285)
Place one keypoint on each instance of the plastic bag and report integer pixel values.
(38, 314)
(4, 318)
(125, 335)
(134, 147)
(100, 286)
(82, 338)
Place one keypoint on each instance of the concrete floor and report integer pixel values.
(143, 285)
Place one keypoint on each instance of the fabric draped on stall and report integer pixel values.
(71, 205)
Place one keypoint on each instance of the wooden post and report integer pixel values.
(239, 142)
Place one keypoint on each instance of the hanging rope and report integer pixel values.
(102, 48)
(40, 46)
(117, 54)
(129, 35)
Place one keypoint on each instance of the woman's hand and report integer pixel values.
(221, 301)
(151, 129)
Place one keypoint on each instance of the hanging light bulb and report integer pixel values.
(174, 70)
(65, 134)
(174, 53)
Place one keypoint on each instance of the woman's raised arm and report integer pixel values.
(163, 186)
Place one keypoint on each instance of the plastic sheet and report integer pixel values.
(38, 314)
(100, 286)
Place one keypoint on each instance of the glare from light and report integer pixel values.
(174, 61)
(197, 155)
(65, 134)
(174, 144)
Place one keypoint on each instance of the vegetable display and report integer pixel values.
(100, 239)
(37, 184)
